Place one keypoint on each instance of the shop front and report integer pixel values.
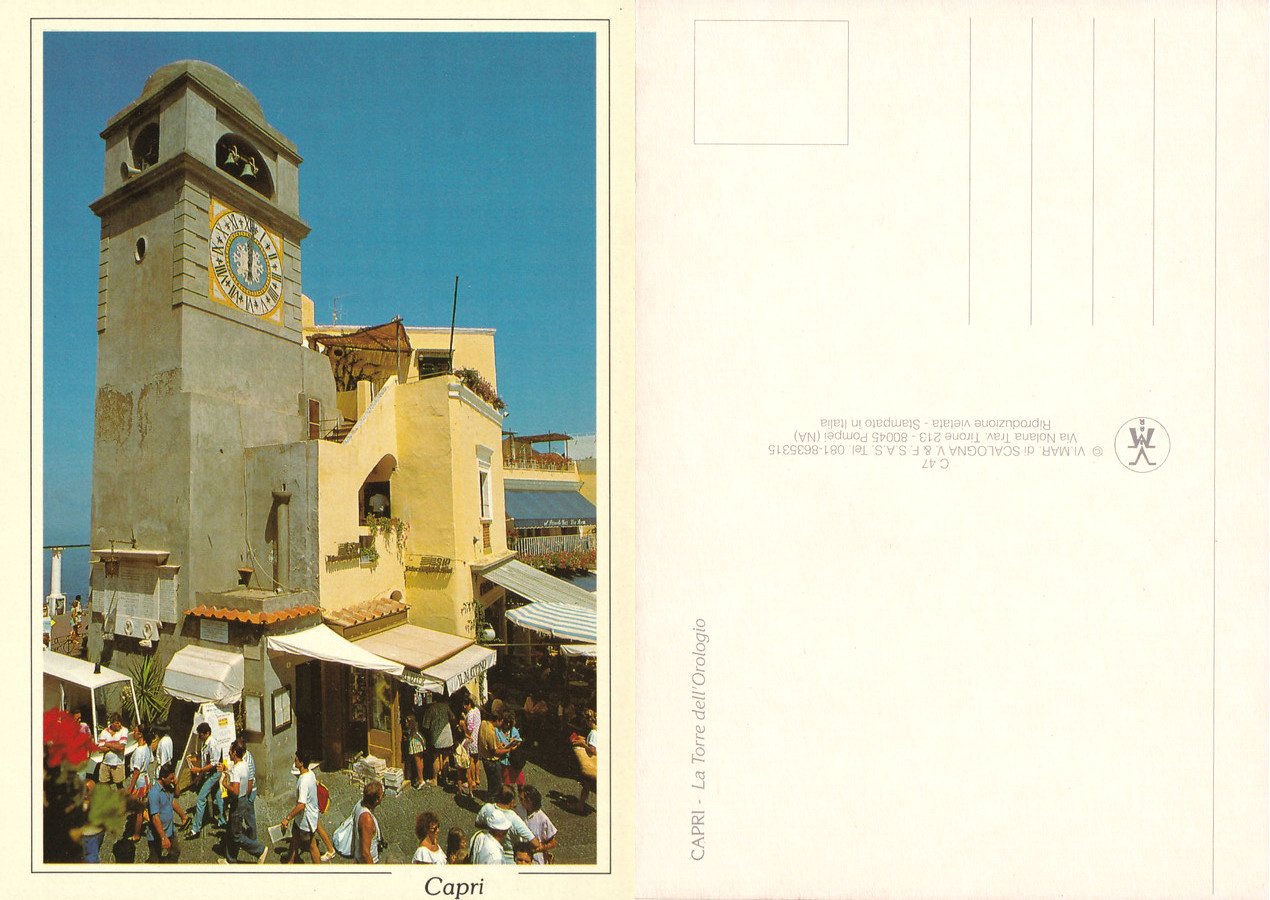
(326, 690)
(364, 707)
(434, 662)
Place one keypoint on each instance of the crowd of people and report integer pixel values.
(478, 749)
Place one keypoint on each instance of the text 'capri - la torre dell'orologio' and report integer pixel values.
(246, 263)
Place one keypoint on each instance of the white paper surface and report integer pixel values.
(952, 450)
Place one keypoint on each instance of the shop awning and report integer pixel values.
(322, 643)
(461, 668)
(557, 620)
(79, 671)
(548, 509)
(415, 647)
(578, 649)
(532, 584)
(202, 675)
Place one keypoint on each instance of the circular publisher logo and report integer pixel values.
(1142, 444)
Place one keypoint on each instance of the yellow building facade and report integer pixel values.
(436, 444)
(410, 498)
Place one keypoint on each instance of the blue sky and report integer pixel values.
(425, 156)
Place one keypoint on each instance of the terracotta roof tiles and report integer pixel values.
(254, 618)
(368, 611)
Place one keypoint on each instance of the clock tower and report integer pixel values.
(204, 465)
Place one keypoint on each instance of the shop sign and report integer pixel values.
(459, 679)
(416, 679)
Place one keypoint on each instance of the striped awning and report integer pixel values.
(532, 584)
(571, 622)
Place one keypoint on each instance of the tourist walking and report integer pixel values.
(303, 818)
(240, 784)
(163, 807)
(365, 826)
(77, 618)
(203, 769)
(438, 722)
(542, 827)
(162, 746)
(472, 724)
(587, 751)
(487, 845)
(516, 832)
(509, 749)
(139, 781)
(415, 747)
(113, 739)
(487, 750)
(428, 831)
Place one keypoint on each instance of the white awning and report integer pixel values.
(413, 646)
(201, 674)
(535, 585)
(61, 670)
(320, 642)
(79, 671)
(462, 667)
(578, 649)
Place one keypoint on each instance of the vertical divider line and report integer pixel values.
(1031, 156)
(1093, 158)
(1213, 813)
(970, 133)
(1153, 116)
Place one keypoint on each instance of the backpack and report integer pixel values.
(342, 838)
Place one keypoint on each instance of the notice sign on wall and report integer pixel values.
(136, 590)
(221, 722)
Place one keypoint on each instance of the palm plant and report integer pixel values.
(152, 700)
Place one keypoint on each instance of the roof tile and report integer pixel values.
(230, 614)
(368, 611)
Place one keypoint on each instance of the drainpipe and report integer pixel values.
(282, 558)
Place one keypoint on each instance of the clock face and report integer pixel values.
(246, 264)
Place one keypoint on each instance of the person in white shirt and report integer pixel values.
(517, 832)
(113, 739)
(487, 846)
(428, 830)
(139, 765)
(541, 826)
(303, 817)
(240, 784)
(204, 768)
(162, 747)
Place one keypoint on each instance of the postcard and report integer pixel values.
(951, 405)
(330, 327)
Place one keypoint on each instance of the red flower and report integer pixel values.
(65, 739)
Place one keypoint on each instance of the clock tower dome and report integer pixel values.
(205, 392)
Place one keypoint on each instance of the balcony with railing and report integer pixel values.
(553, 543)
(525, 453)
